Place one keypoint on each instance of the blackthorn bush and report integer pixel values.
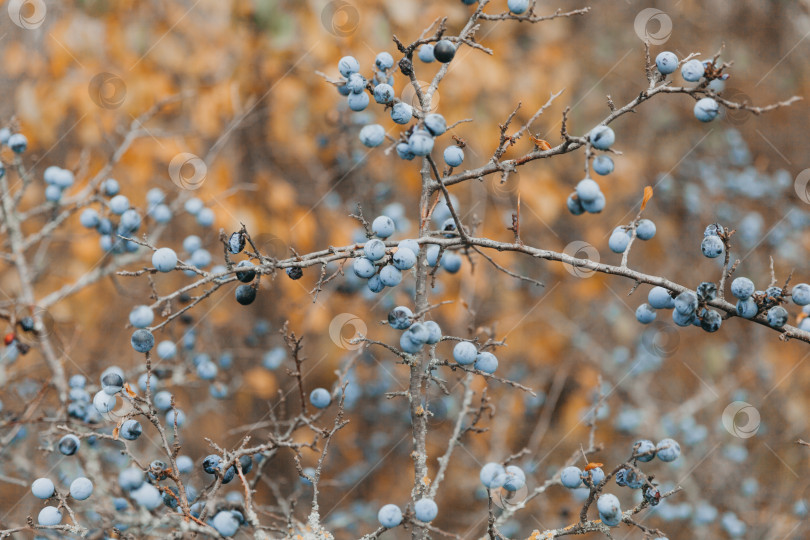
(218, 418)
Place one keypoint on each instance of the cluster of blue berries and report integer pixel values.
(442, 51)
(246, 294)
(688, 308)
(116, 218)
(14, 346)
(18, 144)
(494, 475)
(418, 140)
(425, 510)
(588, 196)
(466, 353)
(145, 490)
(16, 141)
(43, 488)
(722, 183)
(751, 302)
(194, 206)
(143, 487)
(416, 334)
(383, 268)
(620, 237)
(706, 109)
(91, 411)
(391, 266)
(56, 178)
(571, 477)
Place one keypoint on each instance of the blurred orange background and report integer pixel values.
(291, 169)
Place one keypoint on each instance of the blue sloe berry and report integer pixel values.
(706, 109)
(320, 398)
(666, 62)
(602, 137)
(645, 314)
(659, 298)
(742, 288)
(465, 353)
(571, 477)
(603, 165)
(426, 53)
(444, 51)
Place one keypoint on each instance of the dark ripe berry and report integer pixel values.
(77, 409)
(652, 495)
(406, 66)
(156, 470)
(239, 517)
(246, 463)
(444, 51)
(131, 430)
(142, 340)
(186, 318)
(777, 316)
(69, 445)
(711, 321)
(170, 497)
(184, 298)
(574, 205)
(449, 228)
(211, 463)
(634, 480)
(245, 276)
(229, 474)
(295, 272)
(112, 383)
(400, 318)
(707, 291)
(773, 292)
(245, 294)
(27, 324)
(628, 477)
(18, 143)
(236, 243)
